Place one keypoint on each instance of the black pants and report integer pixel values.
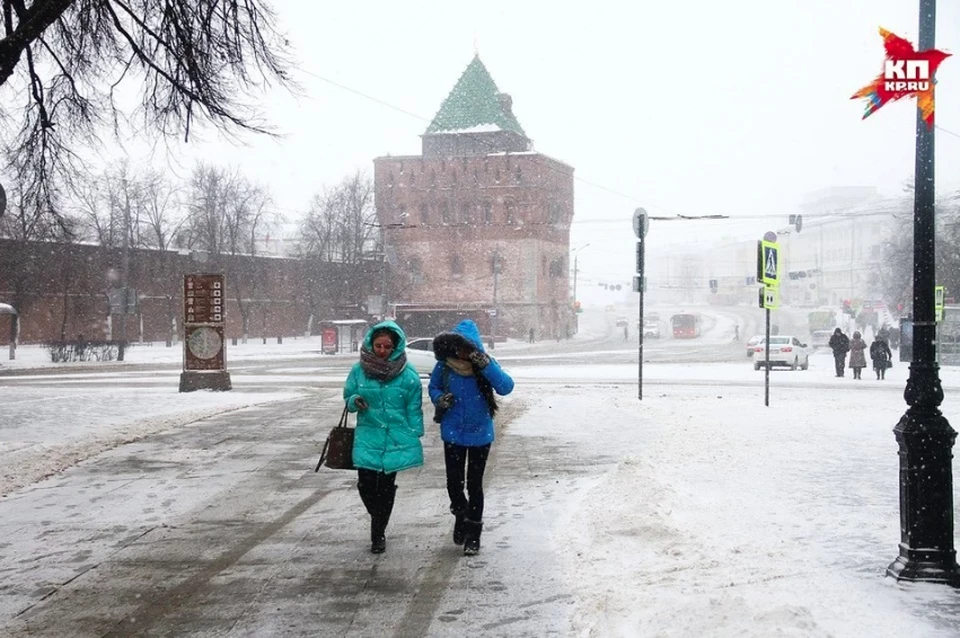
(474, 460)
(838, 360)
(377, 492)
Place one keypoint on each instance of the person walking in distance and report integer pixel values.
(840, 344)
(462, 387)
(881, 356)
(388, 397)
(858, 359)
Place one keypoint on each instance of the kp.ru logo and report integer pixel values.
(905, 72)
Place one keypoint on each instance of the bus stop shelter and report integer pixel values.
(342, 335)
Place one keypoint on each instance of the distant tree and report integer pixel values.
(894, 276)
(144, 204)
(23, 226)
(339, 234)
(64, 65)
(226, 214)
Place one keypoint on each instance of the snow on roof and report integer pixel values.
(479, 128)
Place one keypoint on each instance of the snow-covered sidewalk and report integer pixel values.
(736, 519)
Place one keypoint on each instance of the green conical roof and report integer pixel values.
(474, 105)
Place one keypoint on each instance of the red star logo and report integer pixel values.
(906, 72)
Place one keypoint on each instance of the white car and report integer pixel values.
(420, 355)
(784, 351)
(651, 329)
(752, 344)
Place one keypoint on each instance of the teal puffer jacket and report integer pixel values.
(388, 432)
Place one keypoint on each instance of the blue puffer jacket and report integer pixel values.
(389, 430)
(468, 421)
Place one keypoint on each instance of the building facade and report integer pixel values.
(830, 259)
(478, 225)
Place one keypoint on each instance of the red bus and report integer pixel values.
(685, 325)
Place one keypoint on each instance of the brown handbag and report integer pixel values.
(337, 451)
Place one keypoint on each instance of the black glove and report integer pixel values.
(478, 359)
(361, 403)
(445, 401)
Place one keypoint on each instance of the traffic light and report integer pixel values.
(576, 307)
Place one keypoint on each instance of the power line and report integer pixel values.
(386, 104)
(632, 198)
(947, 131)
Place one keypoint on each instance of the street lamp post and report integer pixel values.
(576, 321)
(923, 434)
(496, 301)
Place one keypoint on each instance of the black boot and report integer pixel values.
(471, 540)
(459, 534)
(380, 518)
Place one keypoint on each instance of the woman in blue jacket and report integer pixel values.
(388, 397)
(462, 386)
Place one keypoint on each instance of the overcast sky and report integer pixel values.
(692, 107)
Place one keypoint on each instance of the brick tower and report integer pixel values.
(479, 223)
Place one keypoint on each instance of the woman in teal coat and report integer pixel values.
(388, 397)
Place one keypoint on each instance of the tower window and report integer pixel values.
(466, 213)
(487, 212)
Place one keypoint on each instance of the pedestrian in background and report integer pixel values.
(881, 356)
(462, 386)
(840, 344)
(388, 397)
(858, 358)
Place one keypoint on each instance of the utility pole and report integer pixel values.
(496, 308)
(575, 256)
(640, 226)
(576, 319)
(124, 271)
(923, 434)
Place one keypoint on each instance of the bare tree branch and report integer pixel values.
(70, 57)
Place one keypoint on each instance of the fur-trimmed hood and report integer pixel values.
(465, 336)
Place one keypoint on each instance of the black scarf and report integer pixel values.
(486, 390)
(381, 369)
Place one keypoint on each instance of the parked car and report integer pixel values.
(752, 344)
(420, 355)
(785, 351)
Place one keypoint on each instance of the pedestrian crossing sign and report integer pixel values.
(769, 263)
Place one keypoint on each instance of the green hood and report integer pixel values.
(390, 325)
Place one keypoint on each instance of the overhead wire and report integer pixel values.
(673, 216)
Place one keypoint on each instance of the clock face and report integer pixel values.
(204, 343)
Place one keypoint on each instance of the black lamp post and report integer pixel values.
(925, 437)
